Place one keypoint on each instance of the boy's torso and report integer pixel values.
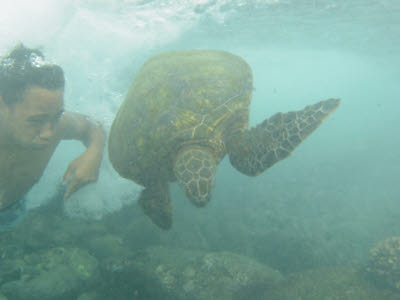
(19, 171)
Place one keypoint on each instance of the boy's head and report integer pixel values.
(23, 68)
(31, 99)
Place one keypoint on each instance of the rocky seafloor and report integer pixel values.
(51, 256)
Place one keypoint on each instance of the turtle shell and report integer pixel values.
(179, 98)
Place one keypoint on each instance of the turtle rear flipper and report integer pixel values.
(253, 151)
(155, 202)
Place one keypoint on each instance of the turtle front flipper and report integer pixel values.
(253, 151)
(195, 168)
(155, 202)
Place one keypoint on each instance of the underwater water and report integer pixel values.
(323, 207)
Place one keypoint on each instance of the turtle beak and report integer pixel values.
(200, 201)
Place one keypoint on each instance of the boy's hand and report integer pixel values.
(80, 172)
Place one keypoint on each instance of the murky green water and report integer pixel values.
(313, 217)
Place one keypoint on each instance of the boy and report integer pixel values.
(32, 123)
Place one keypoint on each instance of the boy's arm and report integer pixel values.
(85, 168)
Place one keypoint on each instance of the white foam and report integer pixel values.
(33, 22)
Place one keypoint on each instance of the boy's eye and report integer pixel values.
(42, 120)
(36, 121)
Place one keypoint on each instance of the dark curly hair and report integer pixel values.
(23, 68)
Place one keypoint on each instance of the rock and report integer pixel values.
(89, 296)
(214, 275)
(57, 273)
(192, 274)
(329, 283)
(106, 245)
(43, 228)
(383, 266)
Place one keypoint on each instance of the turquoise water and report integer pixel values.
(327, 204)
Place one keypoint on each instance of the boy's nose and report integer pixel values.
(47, 132)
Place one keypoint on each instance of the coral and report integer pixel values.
(56, 273)
(384, 263)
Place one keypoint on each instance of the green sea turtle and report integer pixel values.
(186, 110)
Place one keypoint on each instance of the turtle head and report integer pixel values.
(195, 169)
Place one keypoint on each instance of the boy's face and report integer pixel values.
(31, 122)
